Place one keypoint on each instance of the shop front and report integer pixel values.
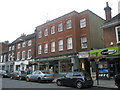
(105, 63)
(58, 64)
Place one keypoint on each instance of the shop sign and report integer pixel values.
(83, 55)
(105, 52)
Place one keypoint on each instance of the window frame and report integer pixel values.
(18, 55)
(40, 49)
(83, 23)
(23, 55)
(46, 32)
(52, 30)
(29, 54)
(117, 33)
(60, 45)
(69, 24)
(60, 27)
(84, 42)
(52, 46)
(40, 34)
(69, 43)
(29, 42)
(46, 48)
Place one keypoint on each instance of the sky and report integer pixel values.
(23, 16)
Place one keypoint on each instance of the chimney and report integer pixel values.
(107, 12)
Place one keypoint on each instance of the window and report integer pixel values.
(46, 48)
(18, 55)
(83, 42)
(13, 47)
(12, 56)
(23, 55)
(29, 43)
(9, 48)
(40, 49)
(9, 57)
(4, 58)
(60, 43)
(118, 34)
(60, 27)
(69, 43)
(53, 30)
(68, 24)
(18, 46)
(46, 32)
(23, 44)
(40, 34)
(1, 58)
(52, 46)
(29, 53)
(83, 23)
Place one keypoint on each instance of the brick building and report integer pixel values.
(63, 44)
(21, 53)
(3, 54)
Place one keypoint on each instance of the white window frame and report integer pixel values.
(29, 42)
(68, 24)
(19, 46)
(10, 48)
(69, 43)
(60, 45)
(13, 47)
(24, 44)
(5, 56)
(40, 49)
(18, 55)
(84, 42)
(52, 29)
(29, 54)
(83, 23)
(40, 34)
(46, 48)
(52, 46)
(45, 32)
(117, 34)
(60, 27)
(23, 55)
(1, 59)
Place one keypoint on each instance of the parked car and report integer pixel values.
(3, 73)
(40, 76)
(19, 75)
(117, 80)
(75, 79)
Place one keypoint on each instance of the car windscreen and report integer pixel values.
(45, 72)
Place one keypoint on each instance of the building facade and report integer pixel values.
(60, 41)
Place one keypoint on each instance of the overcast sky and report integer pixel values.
(22, 16)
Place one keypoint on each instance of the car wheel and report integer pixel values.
(39, 80)
(59, 83)
(27, 79)
(20, 78)
(79, 85)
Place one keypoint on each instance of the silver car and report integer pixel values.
(40, 76)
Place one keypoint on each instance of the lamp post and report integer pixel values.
(97, 72)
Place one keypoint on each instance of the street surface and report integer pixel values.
(10, 84)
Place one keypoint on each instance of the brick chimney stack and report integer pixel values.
(107, 11)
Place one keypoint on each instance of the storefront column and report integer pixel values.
(75, 62)
(58, 67)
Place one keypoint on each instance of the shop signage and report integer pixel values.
(105, 52)
(83, 55)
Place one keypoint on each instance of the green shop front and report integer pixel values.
(105, 63)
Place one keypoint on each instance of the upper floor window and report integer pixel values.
(13, 47)
(68, 24)
(4, 60)
(40, 34)
(29, 43)
(52, 46)
(83, 23)
(83, 42)
(18, 46)
(118, 34)
(60, 45)
(1, 57)
(23, 44)
(46, 48)
(53, 30)
(18, 55)
(46, 32)
(40, 49)
(9, 48)
(23, 55)
(69, 43)
(29, 53)
(60, 27)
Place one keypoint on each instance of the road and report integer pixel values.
(10, 84)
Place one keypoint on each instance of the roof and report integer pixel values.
(67, 15)
(112, 22)
(23, 38)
